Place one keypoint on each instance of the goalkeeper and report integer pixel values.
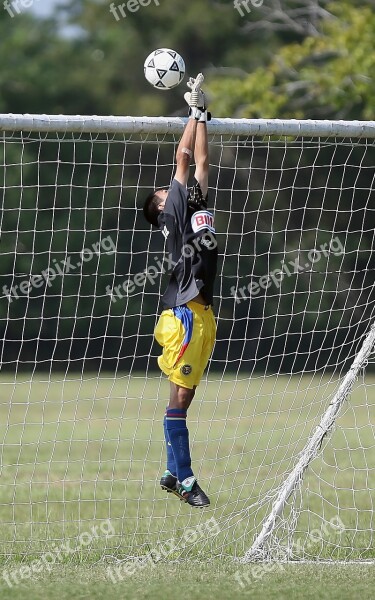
(186, 328)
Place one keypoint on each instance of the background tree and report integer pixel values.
(329, 74)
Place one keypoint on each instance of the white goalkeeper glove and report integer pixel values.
(196, 99)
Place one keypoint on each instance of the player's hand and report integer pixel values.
(202, 102)
(195, 98)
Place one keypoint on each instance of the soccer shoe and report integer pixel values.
(169, 483)
(192, 493)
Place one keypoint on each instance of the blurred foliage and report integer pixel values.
(325, 76)
(251, 70)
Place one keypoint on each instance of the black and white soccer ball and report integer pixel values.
(164, 68)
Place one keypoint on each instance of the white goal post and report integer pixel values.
(175, 126)
(81, 399)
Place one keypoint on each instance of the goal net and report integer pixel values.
(282, 425)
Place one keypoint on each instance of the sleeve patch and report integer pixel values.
(202, 219)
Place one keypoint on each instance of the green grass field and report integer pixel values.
(79, 454)
(214, 581)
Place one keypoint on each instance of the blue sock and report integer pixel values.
(178, 433)
(171, 463)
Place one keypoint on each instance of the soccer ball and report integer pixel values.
(164, 68)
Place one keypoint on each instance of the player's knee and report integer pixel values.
(181, 396)
(184, 397)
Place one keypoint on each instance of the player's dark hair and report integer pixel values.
(150, 207)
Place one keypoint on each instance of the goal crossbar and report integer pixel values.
(175, 125)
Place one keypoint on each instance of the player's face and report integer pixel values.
(162, 194)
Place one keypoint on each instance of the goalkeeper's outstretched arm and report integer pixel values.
(198, 107)
(201, 157)
(194, 139)
(185, 151)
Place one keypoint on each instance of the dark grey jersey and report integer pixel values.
(191, 244)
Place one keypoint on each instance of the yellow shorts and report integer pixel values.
(187, 335)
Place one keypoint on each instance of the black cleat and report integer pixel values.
(169, 483)
(195, 496)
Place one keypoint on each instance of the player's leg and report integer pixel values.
(178, 405)
(189, 371)
(173, 332)
(180, 333)
(187, 487)
(197, 357)
(171, 463)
